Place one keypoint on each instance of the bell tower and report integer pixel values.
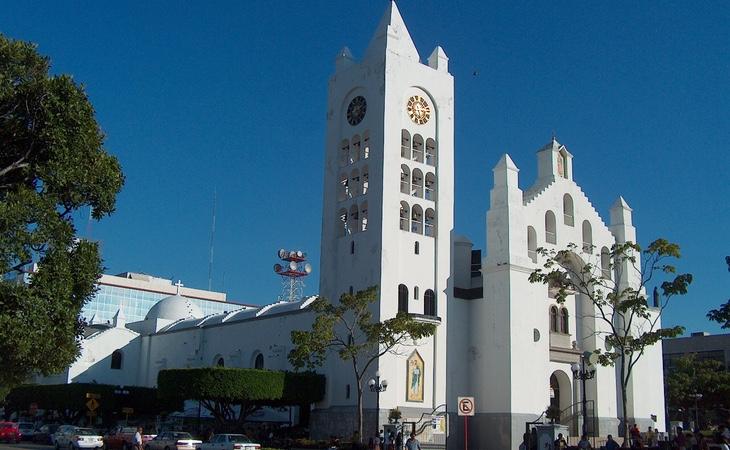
(388, 207)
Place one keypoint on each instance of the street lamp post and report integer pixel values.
(697, 397)
(581, 373)
(377, 386)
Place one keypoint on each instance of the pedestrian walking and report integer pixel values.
(138, 439)
(584, 443)
(412, 443)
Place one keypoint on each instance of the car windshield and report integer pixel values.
(85, 432)
(239, 439)
(181, 435)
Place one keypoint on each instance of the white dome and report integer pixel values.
(175, 307)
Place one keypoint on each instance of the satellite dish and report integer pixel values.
(277, 268)
(308, 268)
(292, 265)
(299, 254)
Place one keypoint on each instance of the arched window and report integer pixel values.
(587, 237)
(364, 216)
(354, 222)
(366, 145)
(405, 179)
(550, 236)
(417, 219)
(417, 148)
(259, 361)
(220, 362)
(430, 229)
(568, 210)
(605, 263)
(429, 303)
(417, 183)
(532, 244)
(365, 179)
(402, 298)
(343, 188)
(564, 320)
(405, 144)
(355, 149)
(430, 152)
(553, 319)
(341, 224)
(344, 152)
(404, 216)
(355, 182)
(415, 293)
(416, 248)
(430, 186)
(117, 359)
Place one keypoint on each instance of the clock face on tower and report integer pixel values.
(418, 109)
(356, 110)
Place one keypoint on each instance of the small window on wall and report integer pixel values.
(402, 298)
(429, 303)
(344, 152)
(417, 148)
(347, 391)
(352, 247)
(416, 248)
(405, 179)
(587, 237)
(116, 360)
(415, 293)
(364, 216)
(259, 361)
(562, 170)
(355, 150)
(568, 210)
(366, 145)
(550, 235)
(531, 244)
(365, 179)
(430, 152)
(405, 213)
(405, 144)
(564, 321)
(605, 263)
(554, 319)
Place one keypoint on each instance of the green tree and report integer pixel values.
(348, 329)
(616, 284)
(722, 314)
(232, 394)
(52, 163)
(701, 384)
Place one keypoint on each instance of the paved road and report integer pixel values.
(24, 446)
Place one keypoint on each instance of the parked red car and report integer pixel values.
(9, 432)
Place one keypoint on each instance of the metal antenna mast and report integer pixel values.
(212, 237)
(292, 273)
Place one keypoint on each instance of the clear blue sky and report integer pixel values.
(232, 96)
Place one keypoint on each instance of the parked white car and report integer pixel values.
(75, 438)
(230, 442)
(171, 440)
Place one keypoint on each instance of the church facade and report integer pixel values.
(388, 211)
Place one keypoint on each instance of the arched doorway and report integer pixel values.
(561, 394)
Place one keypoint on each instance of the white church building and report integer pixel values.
(388, 215)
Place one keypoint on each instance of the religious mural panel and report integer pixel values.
(414, 377)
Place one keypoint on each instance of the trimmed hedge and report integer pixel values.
(72, 396)
(263, 387)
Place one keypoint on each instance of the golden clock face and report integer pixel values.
(356, 110)
(418, 109)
